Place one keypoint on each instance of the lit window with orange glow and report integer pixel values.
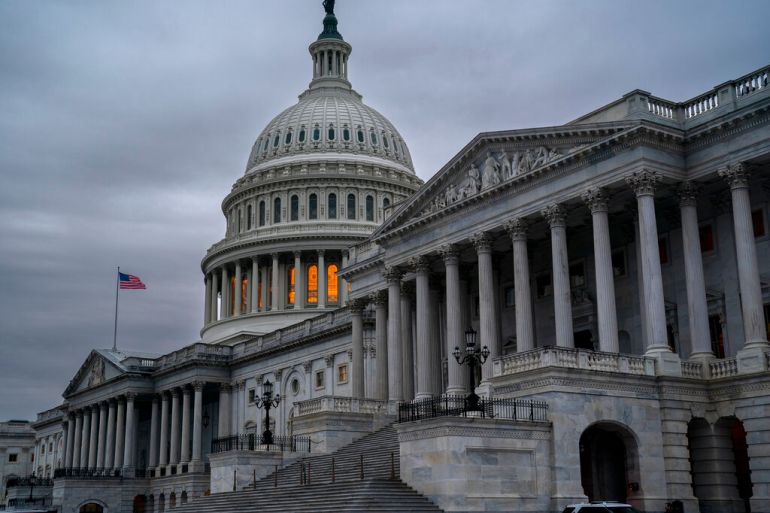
(260, 302)
(331, 287)
(244, 295)
(231, 306)
(312, 284)
(290, 299)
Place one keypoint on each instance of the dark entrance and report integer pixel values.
(91, 508)
(584, 340)
(140, 504)
(603, 465)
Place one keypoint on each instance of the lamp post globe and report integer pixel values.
(472, 357)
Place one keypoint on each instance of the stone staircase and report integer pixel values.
(307, 486)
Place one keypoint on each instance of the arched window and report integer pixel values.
(312, 206)
(294, 208)
(332, 294)
(238, 221)
(249, 212)
(360, 136)
(287, 140)
(346, 134)
(369, 208)
(385, 203)
(332, 203)
(276, 140)
(351, 206)
(373, 138)
(292, 281)
(332, 133)
(302, 135)
(277, 210)
(385, 141)
(316, 134)
(312, 284)
(261, 213)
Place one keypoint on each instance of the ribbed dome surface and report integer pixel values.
(330, 120)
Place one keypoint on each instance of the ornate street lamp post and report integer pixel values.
(473, 356)
(267, 401)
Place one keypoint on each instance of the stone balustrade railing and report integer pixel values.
(53, 413)
(198, 351)
(569, 358)
(293, 228)
(337, 404)
(723, 368)
(692, 369)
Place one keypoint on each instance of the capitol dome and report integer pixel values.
(321, 177)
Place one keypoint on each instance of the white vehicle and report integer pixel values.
(600, 507)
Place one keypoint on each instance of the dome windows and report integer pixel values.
(276, 210)
(369, 207)
(346, 134)
(351, 207)
(316, 134)
(360, 136)
(385, 141)
(331, 133)
(294, 207)
(332, 294)
(385, 203)
(287, 139)
(276, 140)
(249, 213)
(261, 213)
(332, 204)
(301, 137)
(313, 206)
(373, 138)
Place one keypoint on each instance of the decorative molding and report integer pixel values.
(329, 360)
(307, 366)
(478, 432)
(643, 182)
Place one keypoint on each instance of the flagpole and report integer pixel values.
(115, 332)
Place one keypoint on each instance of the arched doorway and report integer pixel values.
(91, 507)
(140, 504)
(608, 462)
(161, 503)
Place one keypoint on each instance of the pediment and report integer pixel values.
(493, 159)
(95, 370)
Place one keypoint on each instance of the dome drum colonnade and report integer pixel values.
(320, 178)
(643, 183)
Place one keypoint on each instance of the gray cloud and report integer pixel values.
(124, 124)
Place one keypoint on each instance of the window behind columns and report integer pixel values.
(294, 208)
(261, 213)
(312, 284)
(277, 210)
(369, 208)
(292, 276)
(332, 293)
(332, 203)
(351, 206)
(716, 335)
(313, 206)
(249, 213)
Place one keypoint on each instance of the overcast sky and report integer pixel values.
(124, 124)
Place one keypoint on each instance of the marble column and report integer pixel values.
(454, 327)
(223, 313)
(562, 300)
(322, 286)
(357, 364)
(163, 444)
(247, 290)
(120, 433)
(85, 437)
(487, 315)
(644, 183)
(299, 297)
(754, 327)
(128, 452)
(109, 449)
(153, 457)
(254, 284)
(395, 354)
(424, 349)
(380, 301)
(238, 292)
(596, 199)
(343, 290)
(78, 440)
(70, 441)
(175, 425)
(94, 437)
(223, 426)
(275, 303)
(407, 369)
(697, 307)
(434, 336)
(207, 300)
(197, 421)
(213, 298)
(264, 276)
(102, 435)
(185, 444)
(525, 331)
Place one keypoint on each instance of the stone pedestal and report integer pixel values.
(330, 430)
(236, 470)
(752, 359)
(667, 363)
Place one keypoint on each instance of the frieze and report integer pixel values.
(651, 391)
(477, 432)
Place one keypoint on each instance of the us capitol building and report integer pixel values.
(614, 269)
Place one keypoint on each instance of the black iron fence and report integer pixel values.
(459, 406)
(88, 473)
(16, 482)
(26, 502)
(256, 442)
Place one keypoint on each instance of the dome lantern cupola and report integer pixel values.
(330, 54)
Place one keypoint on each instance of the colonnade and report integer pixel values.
(644, 184)
(296, 289)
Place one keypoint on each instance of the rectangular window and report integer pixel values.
(50, 447)
(543, 285)
(758, 221)
(42, 449)
(706, 234)
(717, 338)
(663, 249)
(510, 297)
(342, 374)
(319, 378)
(252, 396)
(619, 263)
(13, 458)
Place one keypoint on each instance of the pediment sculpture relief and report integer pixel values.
(96, 373)
(495, 169)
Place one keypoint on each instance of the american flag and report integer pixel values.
(129, 281)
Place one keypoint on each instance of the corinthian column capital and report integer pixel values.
(736, 175)
(482, 241)
(596, 199)
(643, 182)
(392, 273)
(449, 253)
(516, 228)
(555, 215)
(688, 193)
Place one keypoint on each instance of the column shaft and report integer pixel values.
(697, 308)
(407, 369)
(214, 294)
(154, 420)
(185, 444)
(562, 301)
(163, 444)
(207, 301)
(70, 441)
(381, 347)
(223, 313)
(128, 453)
(275, 285)
(357, 371)
(395, 348)
(454, 327)
(525, 331)
(254, 284)
(224, 410)
(84, 440)
(238, 292)
(434, 336)
(424, 367)
(102, 436)
(120, 434)
(77, 440)
(175, 425)
(197, 422)
(94, 437)
(109, 449)
(487, 318)
(322, 286)
(299, 289)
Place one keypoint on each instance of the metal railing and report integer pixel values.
(256, 442)
(16, 482)
(88, 473)
(26, 502)
(526, 410)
